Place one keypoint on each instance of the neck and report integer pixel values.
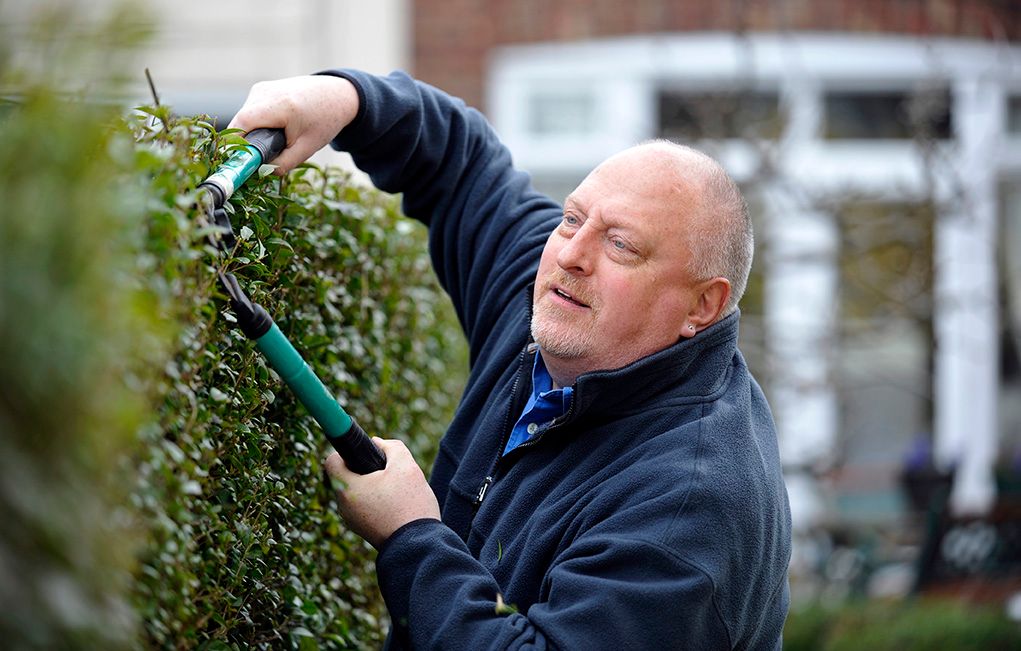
(562, 372)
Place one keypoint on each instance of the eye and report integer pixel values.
(622, 250)
(620, 245)
(569, 224)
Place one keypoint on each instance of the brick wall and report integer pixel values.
(452, 37)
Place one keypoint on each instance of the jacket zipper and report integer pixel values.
(480, 494)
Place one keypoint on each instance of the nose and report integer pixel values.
(576, 255)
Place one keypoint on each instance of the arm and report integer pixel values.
(487, 224)
(601, 593)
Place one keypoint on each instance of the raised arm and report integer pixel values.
(487, 224)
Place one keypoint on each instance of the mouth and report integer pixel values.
(567, 297)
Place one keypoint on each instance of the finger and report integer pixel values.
(256, 110)
(239, 121)
(389, 444)
(395, 451)
(255, 115)
(337, 469)
(290, 157)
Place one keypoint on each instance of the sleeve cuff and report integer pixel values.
(405, 531)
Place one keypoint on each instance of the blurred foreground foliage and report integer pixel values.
(913, 625)
(159, 486)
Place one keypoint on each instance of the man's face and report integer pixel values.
(612, 285)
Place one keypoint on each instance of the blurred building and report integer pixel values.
(879, 144)
(205, 56)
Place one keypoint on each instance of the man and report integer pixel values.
(611, 478)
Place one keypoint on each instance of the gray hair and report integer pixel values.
(725, 243)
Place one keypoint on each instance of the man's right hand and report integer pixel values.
(311, 109)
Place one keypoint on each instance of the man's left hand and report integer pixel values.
(379, 503)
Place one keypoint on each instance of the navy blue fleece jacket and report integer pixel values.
(652, 515)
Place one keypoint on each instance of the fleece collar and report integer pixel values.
(691, 370)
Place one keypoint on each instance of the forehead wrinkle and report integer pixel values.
(645, 175)
(593, 216)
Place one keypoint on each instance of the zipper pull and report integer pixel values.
(481, 495)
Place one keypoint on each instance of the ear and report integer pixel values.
(712, 297)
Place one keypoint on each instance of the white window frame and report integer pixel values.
(625, 74)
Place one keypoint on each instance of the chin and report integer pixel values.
(558, 343)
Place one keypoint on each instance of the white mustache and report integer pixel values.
(569, 285)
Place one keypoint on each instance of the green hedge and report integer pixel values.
(245, 546)
(913, 625)
(159, 486)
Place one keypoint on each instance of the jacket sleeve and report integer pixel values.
(487, 224)
(604, 592)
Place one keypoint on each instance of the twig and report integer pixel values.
(155, 100)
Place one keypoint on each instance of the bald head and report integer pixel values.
(721, 237)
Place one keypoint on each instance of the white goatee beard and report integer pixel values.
(560, 341)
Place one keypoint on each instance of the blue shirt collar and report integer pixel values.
(545, 405)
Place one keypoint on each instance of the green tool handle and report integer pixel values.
(287, 362)
(263, 146)
(360, 454)
(346, 437)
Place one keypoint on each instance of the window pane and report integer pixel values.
(884, 361)
(1010, 326)
(554, 113)
(1014, 114)
(754, 343)
(687, 116)
(887, 115)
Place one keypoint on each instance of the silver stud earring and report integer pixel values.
(691, 327)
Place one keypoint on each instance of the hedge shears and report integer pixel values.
(360, 454)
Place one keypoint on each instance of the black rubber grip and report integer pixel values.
(360, 454)
(253, 319)
(269, 142)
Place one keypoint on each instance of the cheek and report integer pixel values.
(548, 260)
(668, 314)
(628, 293)
(623, 305)
(643, 308)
